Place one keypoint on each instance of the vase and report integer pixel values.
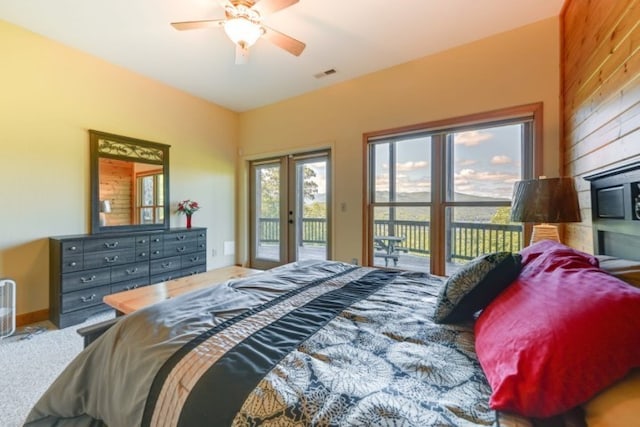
(188, 221)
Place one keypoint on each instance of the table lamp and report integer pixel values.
(544, 201)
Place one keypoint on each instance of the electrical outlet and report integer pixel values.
(354, 261)
(214, 252)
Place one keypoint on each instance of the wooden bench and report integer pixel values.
(129, 301)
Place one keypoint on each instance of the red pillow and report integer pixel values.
(549, 247)
(558, 335)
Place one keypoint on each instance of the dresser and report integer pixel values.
(85, 268)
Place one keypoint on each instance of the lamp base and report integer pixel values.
(544, 232)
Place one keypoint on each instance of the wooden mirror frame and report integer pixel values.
(106, 145)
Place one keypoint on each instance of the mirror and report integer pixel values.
(129, 184)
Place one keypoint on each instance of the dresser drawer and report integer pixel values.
(109, 258)
(85, 279)
(142, 248)
(156, 247)
(130, 271)
(194, 269)
(72, 247)
(109, 244)
(179, 248)
(185, 236)
(72, 263)
(202, 240)
(163, 265)
(195, 258)
(142, 242)
(85, 298)
(129, 284)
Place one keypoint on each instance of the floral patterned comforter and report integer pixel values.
(323, 344)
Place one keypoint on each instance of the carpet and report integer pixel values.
(30, 360)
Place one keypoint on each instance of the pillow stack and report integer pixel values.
(562, 332)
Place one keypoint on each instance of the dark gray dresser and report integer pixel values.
(84, 268)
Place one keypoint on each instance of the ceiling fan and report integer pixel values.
(243, 25)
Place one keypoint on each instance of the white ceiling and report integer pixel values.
(354, 37)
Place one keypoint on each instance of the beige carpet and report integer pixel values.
(30, 360)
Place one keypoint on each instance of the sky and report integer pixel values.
(487, 162)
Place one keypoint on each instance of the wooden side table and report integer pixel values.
(129, 301)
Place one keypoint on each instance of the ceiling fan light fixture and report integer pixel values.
(242, 31)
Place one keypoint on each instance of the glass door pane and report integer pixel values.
(266, 215)
(309, 225)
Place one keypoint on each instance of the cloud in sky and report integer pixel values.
(468, 162)
(484, 183)
(471, 138)
(404, 183)
(408, 166)
(500, 160)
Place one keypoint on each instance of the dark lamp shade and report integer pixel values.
(545, 200)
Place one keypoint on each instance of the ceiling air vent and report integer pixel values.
(325, 73)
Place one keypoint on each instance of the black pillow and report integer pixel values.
(475, 285)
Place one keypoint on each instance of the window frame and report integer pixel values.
(139, 205)
(441, 169)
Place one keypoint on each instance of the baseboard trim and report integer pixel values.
(33, 317)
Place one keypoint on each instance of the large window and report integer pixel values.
(439, 194)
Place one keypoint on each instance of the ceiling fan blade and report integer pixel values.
(265, 7)
(242, 55)
(195, 25)
(291, 45)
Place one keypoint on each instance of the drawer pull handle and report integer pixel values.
(73, 248)
(143, 254)
(132, 271)
(87, 279)
(73, 264)
(181, 237)
(201, 234)
(166, 264)
(128, 288)
(112, 259)
(143, 241)
(156, 252)
(111, 245)
(87, 299)
(156, 240)
(195, 258)
(202, 245)
(181, 249)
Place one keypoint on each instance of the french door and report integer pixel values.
(289, 209)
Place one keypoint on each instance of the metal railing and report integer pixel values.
(464, 240)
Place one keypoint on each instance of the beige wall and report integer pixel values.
(50, 95)
(513, 68)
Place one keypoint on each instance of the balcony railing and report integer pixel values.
(464, 240)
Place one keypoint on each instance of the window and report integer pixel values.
(439, 194)
(149, 199)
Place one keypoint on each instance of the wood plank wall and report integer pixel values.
(117, 186)
(600, 75)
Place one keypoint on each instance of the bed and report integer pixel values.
(503, 342)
